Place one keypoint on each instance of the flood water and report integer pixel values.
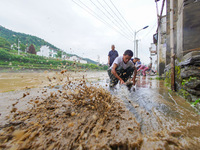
(159, 118)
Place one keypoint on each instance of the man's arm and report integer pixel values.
(109, 60)
(135, 73)
(113, 71)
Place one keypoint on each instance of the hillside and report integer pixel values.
(26, 40)
(12, 37)
(11, 60)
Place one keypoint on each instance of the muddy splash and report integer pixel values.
(82, 115)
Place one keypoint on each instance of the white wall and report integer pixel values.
(44, 51)
(83, 61)
(47, 52)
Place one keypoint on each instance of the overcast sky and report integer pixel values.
(66, 25)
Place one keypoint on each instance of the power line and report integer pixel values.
(94, 14)
(121, 16)
(99, 18)
(122, 30)
(125, 25)
(118, 23)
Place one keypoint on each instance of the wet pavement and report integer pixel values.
(157, 108)
(162, 119)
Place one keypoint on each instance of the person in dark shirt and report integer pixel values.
(112, 55)
(138, 63)
(134, 60)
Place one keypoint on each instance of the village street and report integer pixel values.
(160, 118)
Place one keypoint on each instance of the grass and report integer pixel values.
(159, 78)
(196, 102)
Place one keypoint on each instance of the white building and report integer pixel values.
(82, 61)
(74, 58)
(77, 59)
(161, 45)
(53, 53)
(153, 54)
(65, 57)
(47, 52)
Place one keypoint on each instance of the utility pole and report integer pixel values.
(98, 59)
(18, 46)
(137, 48)
(135, 41)
(172, 45)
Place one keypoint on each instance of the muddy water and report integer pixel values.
(89, 117)
(19, 81)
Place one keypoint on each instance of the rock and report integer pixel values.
(198, 106)
(167, 68)
(178, 85)
(193, 60)
(193, 84)
(191, 54)
(190, 71)
(193, 92)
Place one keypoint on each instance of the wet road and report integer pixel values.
(159, 111)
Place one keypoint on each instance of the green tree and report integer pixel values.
(14, 46)
(105, 67)
(4, 43)
(22, 47)
(59, 54)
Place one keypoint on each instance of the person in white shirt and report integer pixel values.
(122, 69)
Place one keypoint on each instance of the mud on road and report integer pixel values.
(83, 115)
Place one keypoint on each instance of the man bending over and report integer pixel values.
(122, 69)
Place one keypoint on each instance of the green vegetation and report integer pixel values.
(182, 86)
(181, 91)
(4, 43)
(13, 37)
(31, 61)
(185, 81)
(9, 37)
(184, 93)
(177, 76)
(159, 78)
(10, 59)
(59, 54)
(196, 102)
(168, 78)
(178, 73)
